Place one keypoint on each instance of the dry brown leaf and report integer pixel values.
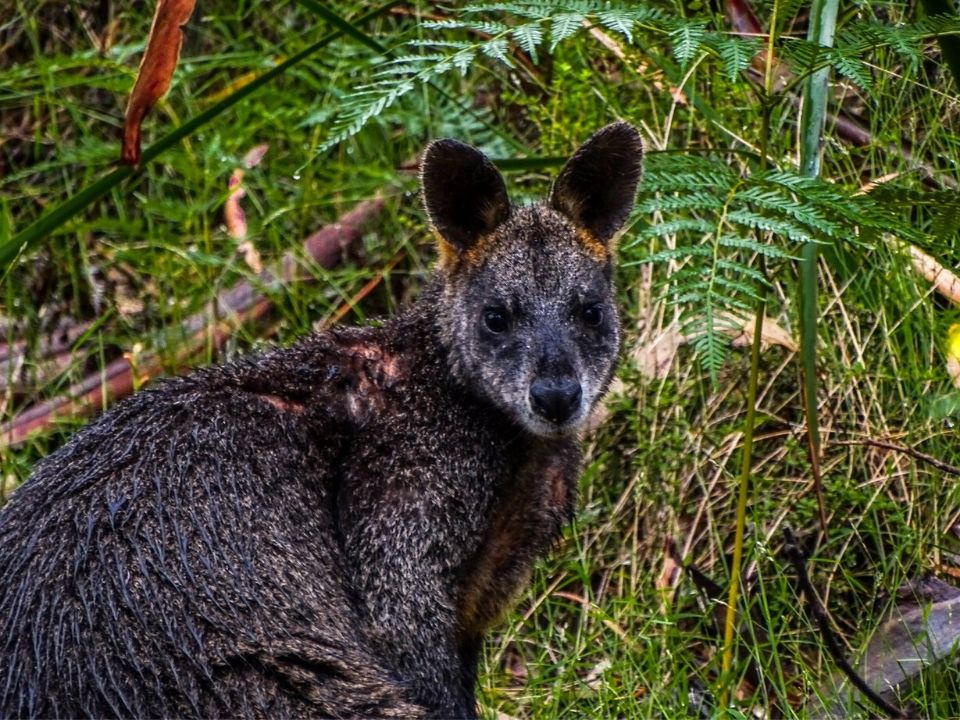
(255, 155)
(655, 358)
(593, 678)
(156, 70)
(669, 575)
(770, 332)
(943, 280)
(233, 214)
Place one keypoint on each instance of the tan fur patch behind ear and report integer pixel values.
(447, 255)
(450, 258)
(476, 253)
(593, 245)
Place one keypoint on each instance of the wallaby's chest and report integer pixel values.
(529, 510)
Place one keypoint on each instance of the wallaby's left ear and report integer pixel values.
(463, 191)
(598, 186)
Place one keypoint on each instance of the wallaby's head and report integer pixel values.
(528, 310)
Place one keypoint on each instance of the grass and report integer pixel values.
(610, 627)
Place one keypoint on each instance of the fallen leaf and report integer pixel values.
(770, 332)
(669, 574)
(251, 256)
(654, 359)
(233, 214)
(592, 679)
(255, 155)
(919, 636)
(156, 70)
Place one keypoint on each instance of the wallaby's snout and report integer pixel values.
(556, 400)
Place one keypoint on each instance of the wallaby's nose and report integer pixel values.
(555, 400)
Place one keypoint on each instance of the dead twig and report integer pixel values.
(906, 450)
(792, 552)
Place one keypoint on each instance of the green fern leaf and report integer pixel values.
(779, 226)
(620, 23)
(674, 226)
(498, 49)
(687, 201)
(564, 26)
(528, 37)
(947, 222)
(765, 249)
(852, 68)
(679, 253)
(687, 39)
(736, 53)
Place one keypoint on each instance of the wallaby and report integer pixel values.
(328, 529)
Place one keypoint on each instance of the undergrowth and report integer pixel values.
(611, 626)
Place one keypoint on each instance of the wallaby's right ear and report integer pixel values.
(597, 187)
(463, 192)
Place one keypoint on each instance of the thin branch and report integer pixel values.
(906, 450)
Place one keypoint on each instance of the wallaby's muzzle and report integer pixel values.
(556, 400)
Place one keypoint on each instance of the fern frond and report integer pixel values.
(564, 26)
(687, 39)
(668, 203)
(779, 226)
(767, 250)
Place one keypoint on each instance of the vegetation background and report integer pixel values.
(613, 625)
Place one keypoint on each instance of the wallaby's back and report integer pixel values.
(176, 558)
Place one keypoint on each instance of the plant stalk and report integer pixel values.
(823, 25)
(730, 620)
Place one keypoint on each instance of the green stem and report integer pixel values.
(46, 224)
(823, 24)
(730, 620)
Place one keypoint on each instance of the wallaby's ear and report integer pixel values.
(463, 192)
(598, 186)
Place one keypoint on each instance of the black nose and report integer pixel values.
(555, 400)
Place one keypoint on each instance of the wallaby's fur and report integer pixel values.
(327, 530)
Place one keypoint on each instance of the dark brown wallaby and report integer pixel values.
(328, 529)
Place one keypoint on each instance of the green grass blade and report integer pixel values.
(45, 225)
(823, 24)
(346, 26)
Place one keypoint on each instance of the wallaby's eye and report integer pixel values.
(592, 315)
(496, 321)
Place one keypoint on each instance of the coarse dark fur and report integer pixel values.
(327, 530)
